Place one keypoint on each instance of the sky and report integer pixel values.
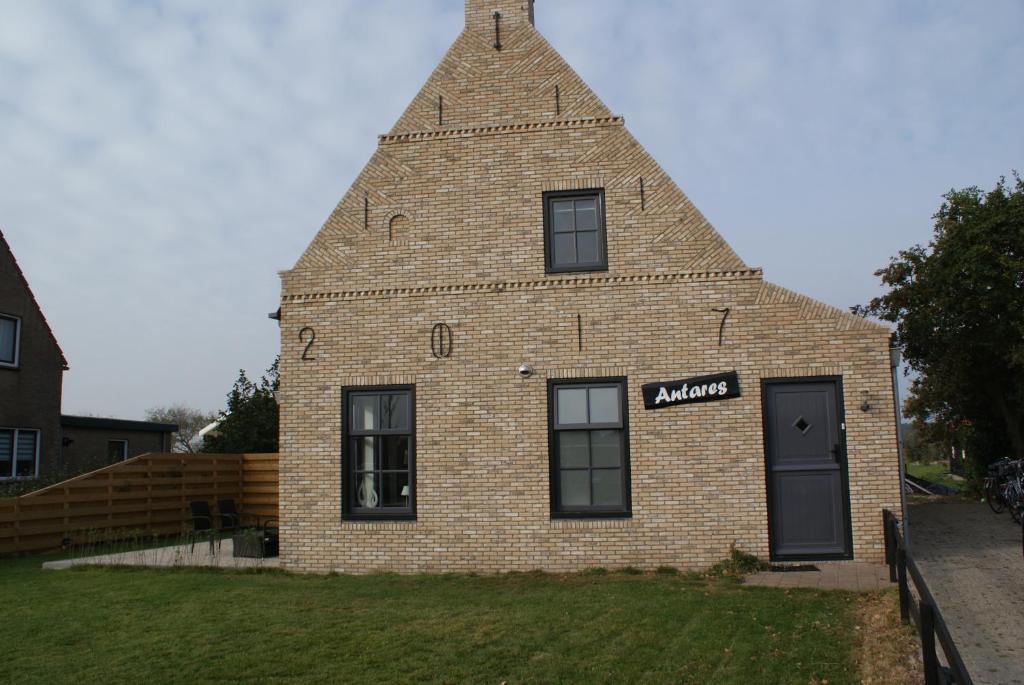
(161, 161)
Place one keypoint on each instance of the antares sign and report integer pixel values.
(721, 386)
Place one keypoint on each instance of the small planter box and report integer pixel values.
(254, 544)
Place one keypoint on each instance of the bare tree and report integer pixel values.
(190, 421)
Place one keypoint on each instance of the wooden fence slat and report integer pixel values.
(79, 512)
(260, 479)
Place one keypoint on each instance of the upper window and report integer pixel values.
(117, 450)
(19, 453)
(574, 231)
(10, 332)
(379, 453)
(589, 448)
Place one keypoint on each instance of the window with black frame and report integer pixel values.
(589, 448)
(19, 453)
(10, 331)
(574, 231)
(117, 450)
(379, 473)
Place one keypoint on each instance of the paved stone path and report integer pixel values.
(841, 575)
(971, 560)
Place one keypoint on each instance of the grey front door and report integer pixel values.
(808, 497)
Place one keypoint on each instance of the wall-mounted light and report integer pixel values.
(865, 406)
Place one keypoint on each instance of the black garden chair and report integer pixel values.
(202, 525)
(259, 540)
(231, 519)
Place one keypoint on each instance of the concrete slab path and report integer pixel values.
(971, 559)
(177, 556)
(838, 575)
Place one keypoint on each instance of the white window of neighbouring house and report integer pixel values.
(19, 453)
(10, 334)
(117, 450)
(589, 448)
(378, 458)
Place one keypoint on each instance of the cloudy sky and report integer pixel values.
(160, 161)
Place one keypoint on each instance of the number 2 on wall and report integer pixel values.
(309, 333)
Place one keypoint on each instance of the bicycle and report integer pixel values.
(995, 484)
(1013, 492)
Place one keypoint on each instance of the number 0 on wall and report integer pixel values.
(441, 341)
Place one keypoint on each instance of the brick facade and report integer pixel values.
(445, 224)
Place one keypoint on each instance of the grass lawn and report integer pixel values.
(936, 473)
(119, 625)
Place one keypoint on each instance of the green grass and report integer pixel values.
(93, 625)
(936, 473)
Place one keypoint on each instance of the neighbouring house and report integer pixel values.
(516, 344)
(32, 370)
(35, 440)
(90, 443)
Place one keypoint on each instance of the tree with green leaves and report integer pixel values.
(189, 421)
(250, 422)
(958, 306)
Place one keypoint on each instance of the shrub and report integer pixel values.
(738, 564)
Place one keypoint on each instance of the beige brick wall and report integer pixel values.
(445, 224)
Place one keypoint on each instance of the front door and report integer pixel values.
(808, 497)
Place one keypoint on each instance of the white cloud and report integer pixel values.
(162, 160)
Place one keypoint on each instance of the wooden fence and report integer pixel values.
(922, 611)
(149, 494)
(259, 485)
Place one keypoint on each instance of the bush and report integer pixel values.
(738, 564)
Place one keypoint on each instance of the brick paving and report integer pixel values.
(971, 560)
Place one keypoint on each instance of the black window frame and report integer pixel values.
(16, 362)
(602, 242)
(349, 512)
(554, 479)
(11, 476)
(124, 449)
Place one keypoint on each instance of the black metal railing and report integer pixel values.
(922, 611)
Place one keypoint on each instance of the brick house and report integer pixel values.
(515, 344)
(32, 368)
(35, 440)
(90, 442)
